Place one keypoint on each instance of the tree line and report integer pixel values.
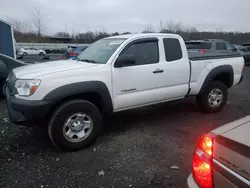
(23, 33)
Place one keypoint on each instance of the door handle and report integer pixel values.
(158, 71)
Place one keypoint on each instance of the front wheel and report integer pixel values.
(41, 54)
(3, 89)
(75, 125)
(213, 98)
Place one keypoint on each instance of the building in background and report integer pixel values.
(7, 41)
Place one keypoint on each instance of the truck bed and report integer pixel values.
(203, 65)
(196, 57)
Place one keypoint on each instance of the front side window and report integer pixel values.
(145, 52)
(100, 51)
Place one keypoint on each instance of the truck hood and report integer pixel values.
(35, 70)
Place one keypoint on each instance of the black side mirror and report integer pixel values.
(125, 60)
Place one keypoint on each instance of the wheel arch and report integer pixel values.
(95, 92)
(223, 73)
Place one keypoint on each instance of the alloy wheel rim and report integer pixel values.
(77, 127)
(215, 98)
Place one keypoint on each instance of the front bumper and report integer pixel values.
(28, 113)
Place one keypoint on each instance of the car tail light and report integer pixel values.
(203, 51)
(72, 54)
(244, 67)
(202, 161)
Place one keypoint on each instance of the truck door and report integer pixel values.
(139, 83)
(151, 79)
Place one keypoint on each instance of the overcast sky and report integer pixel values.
(130, 15)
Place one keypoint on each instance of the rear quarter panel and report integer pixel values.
(201, 68)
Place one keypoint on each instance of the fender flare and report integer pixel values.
(217, 71)
(73, 89)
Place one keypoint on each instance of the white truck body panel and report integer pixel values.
(170, 85)
(201, 68)
(131, 86)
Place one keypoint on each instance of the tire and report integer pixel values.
(41, 54)
(204, 99)
(25, 53)
(3, 89)
(57, 129)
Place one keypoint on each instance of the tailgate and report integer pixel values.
(232, 157)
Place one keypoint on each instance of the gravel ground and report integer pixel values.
(137, 149)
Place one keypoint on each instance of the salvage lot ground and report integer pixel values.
(137, 148)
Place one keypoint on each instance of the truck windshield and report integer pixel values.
(100, 51)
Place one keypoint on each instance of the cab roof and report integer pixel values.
(130, 36)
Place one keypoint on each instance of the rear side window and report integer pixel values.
(220, 46)
(199, 45)
(172, 48)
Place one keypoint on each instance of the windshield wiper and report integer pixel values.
(87, 60)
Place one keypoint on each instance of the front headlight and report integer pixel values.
(27, 87)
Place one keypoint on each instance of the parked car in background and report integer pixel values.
(222, 157)
(245, 49)
(236, 45)
(68, 50)
(73, 51)
(6, 65)
(211, 47)
(48, 51)
(31, 51)
(107, 79)
(73, 54)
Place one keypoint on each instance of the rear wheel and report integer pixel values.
(25, 53)
(41, 54)
(213, 98)
(75, 125)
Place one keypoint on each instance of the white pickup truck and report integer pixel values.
(116, 74)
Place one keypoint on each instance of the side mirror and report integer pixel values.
(125, 60)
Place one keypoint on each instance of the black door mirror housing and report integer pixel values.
(125, 60)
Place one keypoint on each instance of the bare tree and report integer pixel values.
(149, 29)
(20, 26)
(62, 34)
(38, 20)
